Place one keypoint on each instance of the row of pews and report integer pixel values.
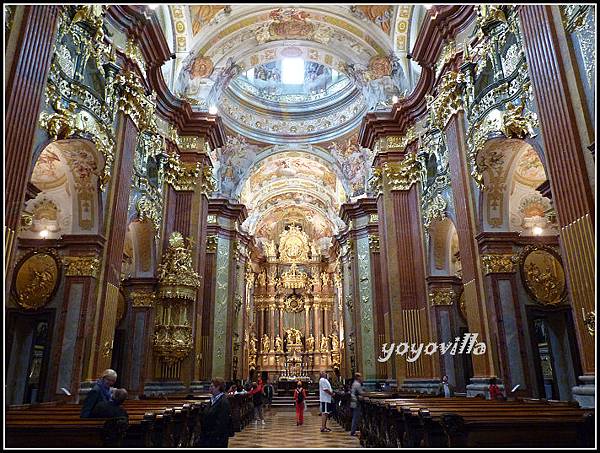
(411, 420)
(176, 422)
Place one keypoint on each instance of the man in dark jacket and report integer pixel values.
(100, 392)
(112, 408)
(217, 424)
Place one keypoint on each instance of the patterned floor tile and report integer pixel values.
(280, 431)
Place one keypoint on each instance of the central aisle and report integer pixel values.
(280, 431)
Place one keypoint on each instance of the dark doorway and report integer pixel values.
(28, 355)
(556, 358)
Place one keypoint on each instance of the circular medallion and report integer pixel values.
(202, 67)
(36, 279)
(543, 275)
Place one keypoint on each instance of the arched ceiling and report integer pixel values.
(296, 186)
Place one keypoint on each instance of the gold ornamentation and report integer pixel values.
(133, 52)
(294, 245)
(211, 243)
(172, 343)
(209, 184)
(176, 275)
(36, 279)
(589, 321)
(142, 298)
(494, 264)
(448, 52)
(374, 242)
(402, 175)
(516, 123)
(399, 142)
(82, 266)
(434, 210)
(543, 275)
(488, 16)
(373, 218)
(442, 296)
(148, 209)
(294, 303)
(293, 278)
(376, 181)
(448, 101)
(182, 175)
(211, 218)
(133, 101)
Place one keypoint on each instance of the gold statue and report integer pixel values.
(262, 278)
(253, 344)
(324, 344)
(278, 344)
(335, 342)
(515, 122)
(325, 277)
(310, 344)
(266, 343)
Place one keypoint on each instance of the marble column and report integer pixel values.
(306, 321)
(281, 322)
(559, 109)
(272, 332)
(28, 53)
(478, 316)
(397, 183)
(115, 227)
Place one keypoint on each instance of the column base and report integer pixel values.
(163, 388)
(429, 386)
(585, 394)
(480, 386)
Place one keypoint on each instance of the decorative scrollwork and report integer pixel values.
(495, 263)
(449, 99)
(442, 296)
(82, 266)
(402, 175)
(182, 175)
(176, 275)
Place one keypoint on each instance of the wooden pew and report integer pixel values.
(413, 422)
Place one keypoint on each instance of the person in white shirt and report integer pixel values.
(325, 393)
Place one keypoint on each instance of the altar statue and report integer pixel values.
(324, 344)
(278, 344)
(335, 342)
(266, 344)
(310, 344)
(262, 278)
(325, 277)
(253, 344)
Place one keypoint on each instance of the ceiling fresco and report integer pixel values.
(292, 149)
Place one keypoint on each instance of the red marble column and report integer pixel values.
(478, 318)
(27, 57)
(115, 227)
(564, 151)
(405, 262)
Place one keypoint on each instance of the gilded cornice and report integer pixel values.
(495, 263)
(448, 100)
(442, 296)
(374, 242)
(400, 175)
(142, 298)
(182, 176)
(82, 266)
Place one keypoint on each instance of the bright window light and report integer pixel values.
(538, 230)
(292, 71)
(250, 74)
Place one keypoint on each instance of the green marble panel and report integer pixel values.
(220, 312)
(366, 307)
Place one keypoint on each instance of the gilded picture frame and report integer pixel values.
(36, 279)
(543, 275)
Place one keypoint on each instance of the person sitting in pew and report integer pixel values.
(445, 389)
(101, 391)
(112, 408)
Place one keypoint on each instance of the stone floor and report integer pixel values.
(280, 431)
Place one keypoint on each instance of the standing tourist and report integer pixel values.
(325, 394)
(100, 392)
(258, 400)
(217, 425)
(300, 399)
(355, 391)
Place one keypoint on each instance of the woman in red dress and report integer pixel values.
(300, 399)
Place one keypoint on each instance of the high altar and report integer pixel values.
(295, 334)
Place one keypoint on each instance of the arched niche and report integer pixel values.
(139, 251)
(66, 174)
(510, 201)
(443, 250)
